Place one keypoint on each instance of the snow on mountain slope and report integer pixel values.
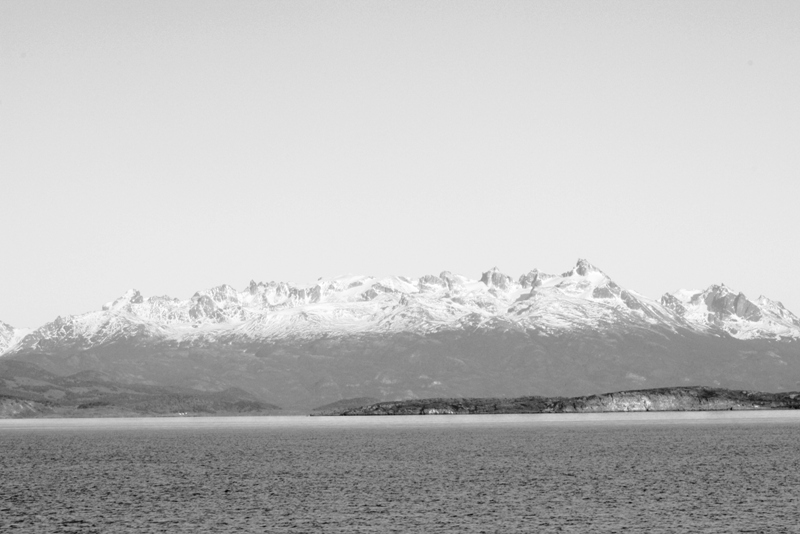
(720, 308)
(10, 336)
(582, 298)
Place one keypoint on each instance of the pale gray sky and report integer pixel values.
(175, 146)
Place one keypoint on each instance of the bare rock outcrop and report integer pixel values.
(695, 398)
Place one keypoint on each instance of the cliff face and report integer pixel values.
(14, 407)
(663, 399)
(680, 399)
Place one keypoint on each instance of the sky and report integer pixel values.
(175, 146)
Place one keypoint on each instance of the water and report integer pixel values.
(600, 473)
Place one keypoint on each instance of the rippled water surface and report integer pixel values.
(434, 474)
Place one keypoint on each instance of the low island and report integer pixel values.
(695, 398)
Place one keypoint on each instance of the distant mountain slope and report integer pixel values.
(447, 336)
(28, 390)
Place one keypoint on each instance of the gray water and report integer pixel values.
(379, 474)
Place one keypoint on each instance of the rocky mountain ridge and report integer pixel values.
(581, 298)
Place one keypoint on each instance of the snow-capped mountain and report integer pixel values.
(583, 298)
(719, 307)
(575, 333)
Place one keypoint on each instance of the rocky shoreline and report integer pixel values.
(695, 398)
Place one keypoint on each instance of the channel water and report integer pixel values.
(656, 472)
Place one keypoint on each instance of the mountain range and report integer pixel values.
(575, 333)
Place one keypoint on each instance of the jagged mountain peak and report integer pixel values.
(583, 268)
(455, 282)
(532, 278)
(494, 278)
(589, 282)
(131, 296)
(777, 309)
(220, 294)
(719, 307)
(718, 298)
(586, 281)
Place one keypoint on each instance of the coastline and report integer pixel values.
(270, 422)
